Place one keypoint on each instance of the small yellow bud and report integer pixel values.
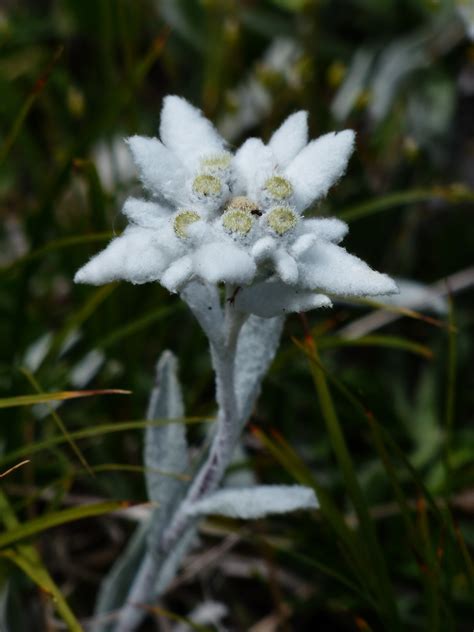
(182, 220)
(216, 161)
(282, 219)
(237, 221)
(278, 187)
(207, 185)
(241, 203)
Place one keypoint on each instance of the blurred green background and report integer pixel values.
(76, 78)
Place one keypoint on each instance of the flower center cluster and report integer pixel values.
(207, 185)
(216, 161)
(182, 221)
(237, 216)
(278, 187)
(237, 222)
(281, 219)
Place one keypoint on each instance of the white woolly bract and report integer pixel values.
(145, 214)
(186, 233)
(256, 502)
(185, 131)
(133, 257)
(319, 165)
(222, 261)
(159, 169)
(329, 268)
(253, 162)
(274, 298)
(290, 138)
(327, 228)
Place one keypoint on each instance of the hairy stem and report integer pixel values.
(210, 475)
(207, 479)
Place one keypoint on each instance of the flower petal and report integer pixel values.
(272, 298)
(285, 266)
(178, 274)
(132, 257)
(160, 171)
(224, 262)
(253, 163)
(330, 268)
(326, 228)
(185, 131)
(255, 502)
(290, 138)
(317, 167)
(302, 244)
(145, 214)
(263, 248)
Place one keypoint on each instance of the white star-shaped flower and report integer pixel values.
(218, 218)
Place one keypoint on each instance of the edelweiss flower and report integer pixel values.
(237, 219)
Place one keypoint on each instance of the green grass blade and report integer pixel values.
(93, 431)
(391, 444)
(452, 194)
(48, 521)
(29, 562)
(399, 311)
(320, 566)
(380, 579)
(467, 558)
(59, 422)
(138, 469)
(37, 89)
(450, 396)
(393, 342)
(78, 318)
(54, 246)
(27, 558)
(137, 325)
(350, 546)
(44, 398)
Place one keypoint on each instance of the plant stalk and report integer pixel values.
(208, 477)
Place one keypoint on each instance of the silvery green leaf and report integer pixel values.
(114, 588)
(274, 298)
(4, 600)
(87, 367)
(397, 61)
(165, 451)
(151, 580)
(415, 295)
(465, 10)
(173, 560)
(239, 474)
(429, 111)
(165, 446)
(353, 85)
(256, 348)
(204, 302)
(185, 18)
(207, 613)
(256, 502)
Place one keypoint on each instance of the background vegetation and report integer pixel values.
(375, 413)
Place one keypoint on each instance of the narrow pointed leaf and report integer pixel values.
(48, 521)
(165, 446)
(42, 398)
(256, 502)
(256, 348)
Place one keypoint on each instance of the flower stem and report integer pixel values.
(208, 477)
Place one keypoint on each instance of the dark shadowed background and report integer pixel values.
(79, 76)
